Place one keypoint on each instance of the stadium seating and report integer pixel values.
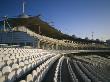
(57, 76)
(16, 62)
(16, 37)
(93, 67)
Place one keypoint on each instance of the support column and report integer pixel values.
(38, 44)
(56, 46)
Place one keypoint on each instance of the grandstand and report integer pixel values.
(16, 38)
(26, 56)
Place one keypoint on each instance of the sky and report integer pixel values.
(73, 17)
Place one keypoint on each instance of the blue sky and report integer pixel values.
(79, 17)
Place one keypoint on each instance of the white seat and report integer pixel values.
(17, 56)
(7, 54)
(15, 61)
(2, 79)
(6, 70)
(9, 62)
(1, 64)
(1, 59)
(29, 66)
(25, 69)
(12, 57)
(38, 69)
(26, 62)
(6, 58)
(29, 78)
(33, 64)
(30, 61)
(15, 66)
(21, 64)
(34, 74)
(22, 81)
(19, 72)
(11, 76)
(0, 74)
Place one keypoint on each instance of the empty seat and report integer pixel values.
(1, 64)
(1, 58)
(12, 76)
(21, 64)
(15, 66)
(29, 78)
(22, 81)
(2, 79)
(26, 62)
(6, 70)
(34, 74)
(5, 59)
(9, 62)
(19, 72)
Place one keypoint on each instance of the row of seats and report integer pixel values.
(15, 37)
(78, 70)
(10, 57)
(73, 76)
(38, 74)
(94, 73)
(86, 72)
(57, 76)
(95, 59)
(14, 62)
(15, 59)
(100, 64)
(80, 73)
